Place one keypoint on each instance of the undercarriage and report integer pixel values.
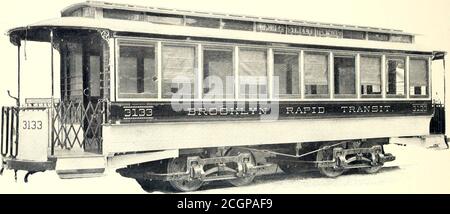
(240, 165)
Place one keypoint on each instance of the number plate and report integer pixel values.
(33, 134)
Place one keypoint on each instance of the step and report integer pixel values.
(434, 141)
(79, 165)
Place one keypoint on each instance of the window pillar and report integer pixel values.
(407, 78)
(270, 72)
(331, 74)
(383, 76)
(159, 67)
(301, 61)
(199, 71)
(358, 75)
(236, 72)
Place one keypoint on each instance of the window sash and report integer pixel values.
(218, 70)
(142, 81)
(253, 73)
(418, 77)
(179, 69)
(399, 86)
(287, 69)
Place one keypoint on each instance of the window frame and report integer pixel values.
(405, 78)
(224, 47)
(382, 89)
(349, 56)
(428, 73)
(298, 54)
(267, 50)
(235, 47)
(198, 70)
(330, 60)
(134, 43)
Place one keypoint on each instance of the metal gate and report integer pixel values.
(10, 132)
(76, 126)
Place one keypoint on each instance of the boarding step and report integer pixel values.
(433, 141)
(71, 165)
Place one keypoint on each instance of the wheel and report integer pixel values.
(327, 155)
(177, 165)
(374, 169)
(243, 181)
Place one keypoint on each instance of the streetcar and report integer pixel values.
(190, 97)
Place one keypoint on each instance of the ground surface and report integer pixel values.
(416, 170)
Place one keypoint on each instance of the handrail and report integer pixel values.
(10, 132)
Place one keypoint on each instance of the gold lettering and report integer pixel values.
(321, 110)
(289, 110)
(191, 112)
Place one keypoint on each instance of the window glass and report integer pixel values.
(370, 76)
(344, 76)
(351, 34)
(418, 77)
(202, 22)
(401, 38)
(379, 37)
(73, 71)
(164, 19)
(316, 75)
(121, 14)
(94, 75)
(178, 71)
(253, 73)
(395, 77)
(237, 25)
(218, 73)
(137, 72)
(286, 70)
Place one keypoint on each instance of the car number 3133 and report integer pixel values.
(32, 125)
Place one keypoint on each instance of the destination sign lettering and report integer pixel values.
(325, 32)
(271, 28)
(300, 30)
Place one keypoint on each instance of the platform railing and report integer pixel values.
(77, 126)
(10, 132)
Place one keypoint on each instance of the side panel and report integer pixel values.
(184, 135)
(204, 111)
(33, 135)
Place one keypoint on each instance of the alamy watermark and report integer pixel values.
(253, 96)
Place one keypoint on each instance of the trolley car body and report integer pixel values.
(119, 104)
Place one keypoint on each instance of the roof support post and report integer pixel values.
(52, 61)
(18, 74)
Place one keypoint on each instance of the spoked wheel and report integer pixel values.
(327, 155)
(243, 181)
(178, 165)
(373, 169)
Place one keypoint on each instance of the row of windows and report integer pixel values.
(139, 76)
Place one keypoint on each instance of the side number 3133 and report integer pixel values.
(32, 124)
